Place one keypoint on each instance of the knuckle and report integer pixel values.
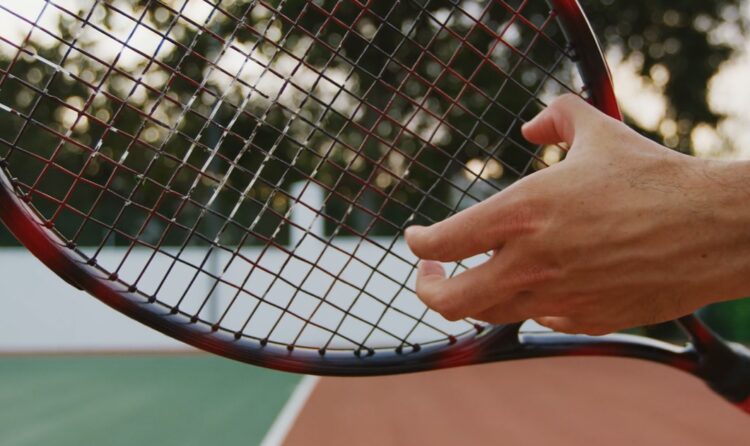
(526, 215)
(524, 218)
(533, 277)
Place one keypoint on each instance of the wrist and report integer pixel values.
(727, 190)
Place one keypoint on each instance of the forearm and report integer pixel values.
(727, 261)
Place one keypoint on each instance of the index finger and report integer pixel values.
(479, 229)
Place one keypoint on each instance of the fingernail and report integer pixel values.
(430, 268)
(412, 230)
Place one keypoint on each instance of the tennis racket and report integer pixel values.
(238, 174)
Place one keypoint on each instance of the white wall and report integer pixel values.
(40, 312)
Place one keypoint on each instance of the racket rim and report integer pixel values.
(46, 244)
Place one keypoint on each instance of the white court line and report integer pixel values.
(288, 415)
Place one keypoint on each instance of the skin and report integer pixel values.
(623, 233)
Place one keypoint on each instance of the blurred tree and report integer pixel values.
(173, 107)
(682, 44)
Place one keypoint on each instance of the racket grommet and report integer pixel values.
(3, 162)
(416, 348)
(70, 245)
(215, 328)
(113, 276)
(452, 340)
(370, 352)
(174, 310)
(151, 299)
(133, 289)
(290, 347)
(478, 328)
(26, 198)
(263, 342)
(399, 350)
(237, 335)
(91, 262)
(321, 351)
(49, 224)
(193, 319)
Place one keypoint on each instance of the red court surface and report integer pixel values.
(560, 401)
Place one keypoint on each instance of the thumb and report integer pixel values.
(566, 117)
(429, 274)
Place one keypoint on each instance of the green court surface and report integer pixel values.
(137, 400)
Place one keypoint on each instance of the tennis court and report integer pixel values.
(137, 399)
(195, 399)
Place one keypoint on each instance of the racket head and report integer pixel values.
(560, 31)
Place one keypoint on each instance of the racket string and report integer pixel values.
(281, 270)
(167, 155)
(152, 180)
(212, 238)
(176, 258)
(349, 28)
(292, 167)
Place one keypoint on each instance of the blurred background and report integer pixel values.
(682, 75)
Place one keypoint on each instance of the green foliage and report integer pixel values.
(203, 142)
(688, 38)
(730, 319)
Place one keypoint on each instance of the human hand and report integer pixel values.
(622, 233)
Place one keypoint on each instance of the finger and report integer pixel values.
(559, 324)
(519, 308)
(470, 292)
(479, 229)
(572, 326)
(430, 270)
(561, 121)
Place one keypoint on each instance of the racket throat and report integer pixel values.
(726, 369)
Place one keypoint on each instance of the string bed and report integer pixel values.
(251, 165)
